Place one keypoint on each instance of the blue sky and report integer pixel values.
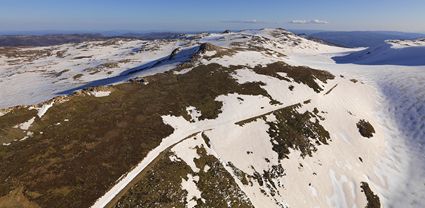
(196, 15)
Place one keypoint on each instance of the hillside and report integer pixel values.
(393, 52)
(256, 118)
(356, 39)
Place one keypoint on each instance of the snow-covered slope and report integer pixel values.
(45, 72)
(235, 120)
(32, 75)
(401, 108)
(395, 52)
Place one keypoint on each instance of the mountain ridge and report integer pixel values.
(278, 135)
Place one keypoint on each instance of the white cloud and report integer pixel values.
(303, 22)
(253, 21)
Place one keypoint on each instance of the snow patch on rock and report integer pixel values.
(100, 93)
(26, 125)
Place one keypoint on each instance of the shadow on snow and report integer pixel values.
(170, 60)
(385, 55)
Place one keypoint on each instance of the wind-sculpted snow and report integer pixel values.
(405, 96)
(401, 109)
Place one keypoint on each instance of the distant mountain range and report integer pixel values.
(57, 39)
(46, 40)
(349, 39)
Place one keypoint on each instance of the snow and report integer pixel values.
(313, 191)
(223, 40)
(30, 82)
(210, 53)
(245, 58)
(385, 157)
(173, 158)
(279, 90)
(406, 43)
(230, 142)
(4, 112)
(43, 110)
(341, 195)
(286, 42)
(27, 83)
(194, 114)
(182, 130)
(24, 138)
(193, 193)
(29, 134)
(390, 94)
(400, 102)
(100, 93)
(186, 151)
(391, 53)
(183, 71)
(26, 125)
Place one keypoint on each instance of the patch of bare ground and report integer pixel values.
(290, 131)
(204, 83)
(110, 42)
(365, 128)
(9, 130)
(104, 67)
(77, 76)
(101, 67)
(61, 53)
(266, 180)
(299, 74)
(372, 199)
(330, 90)
(58, 74)
(257, 43)
(294, 130)
(218, 51)
(159, 185)
(82, 146)
(17, 199)
(18, 55)
(82, 57)
(217, 186)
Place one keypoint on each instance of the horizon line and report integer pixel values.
(123, 31)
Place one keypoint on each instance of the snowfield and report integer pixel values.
(401, 53)
(400, 107)
(383, 85)
(76, 65)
